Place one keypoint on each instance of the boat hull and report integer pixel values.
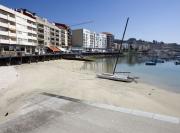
(150, 63)
(113, 77)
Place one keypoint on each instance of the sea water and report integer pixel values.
(164, 75)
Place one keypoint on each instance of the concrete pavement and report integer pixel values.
(46, 113)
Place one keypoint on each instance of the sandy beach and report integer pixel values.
(67, 78)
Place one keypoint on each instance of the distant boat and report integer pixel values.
(177, 62)
(159, 61)
(150, 63)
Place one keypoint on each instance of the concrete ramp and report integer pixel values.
(49, 113)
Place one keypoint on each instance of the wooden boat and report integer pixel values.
(115, 77)
(151, 63)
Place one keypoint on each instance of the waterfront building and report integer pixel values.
(81, 38)
(49, 36)
(66, 35)
(101, 41)
(23, 32)
(110, 40)
(89, 40)
(8, 36)
(18, 34)
(26, 31)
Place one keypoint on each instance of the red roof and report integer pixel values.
(54, 49)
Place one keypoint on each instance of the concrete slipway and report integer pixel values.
(48, 113)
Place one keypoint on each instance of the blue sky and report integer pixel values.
(149, 19)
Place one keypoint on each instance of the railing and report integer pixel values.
(31, 25)
(32, 37)
(12, 27)
(3, 16)
(12, 42)
(11, 19)
(33, 32)
(4, 33)
(4, 41)
(12, 34)
(4, 24)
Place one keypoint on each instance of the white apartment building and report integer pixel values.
(89, 40)
(17, 32)
(81, 38)
(22, 32)
(26, 31)
(101, 41)
(7, 29)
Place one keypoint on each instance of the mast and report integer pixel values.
(121, 45)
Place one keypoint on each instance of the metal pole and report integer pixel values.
(121, 45)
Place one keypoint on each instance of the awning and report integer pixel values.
(54, 49)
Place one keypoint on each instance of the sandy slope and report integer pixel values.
(64, 77)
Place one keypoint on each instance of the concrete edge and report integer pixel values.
(155, 116)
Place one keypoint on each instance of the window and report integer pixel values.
(19, 32)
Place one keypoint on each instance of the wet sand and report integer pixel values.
(64, 77)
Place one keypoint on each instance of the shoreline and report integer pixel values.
(67, 78)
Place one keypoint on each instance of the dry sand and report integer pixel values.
(66, 78)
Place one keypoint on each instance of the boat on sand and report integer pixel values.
(115, 77)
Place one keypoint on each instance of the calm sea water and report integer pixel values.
(165, 75)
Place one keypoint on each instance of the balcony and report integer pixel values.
(5, 33)
(11, 19)
(12, 34)
(34, 26)
(3, 16)
(31, 43)
(3, 24)
(13, 27)
(40, 27)
(34, 32)
(40, 39)
(12, 42)
(34, 38)
(4, 41)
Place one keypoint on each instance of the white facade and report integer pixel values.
(26, 30)
(65, 38)
(29, 33)
(87, 39)
(17, 28)
(101, 41)
(7, 26)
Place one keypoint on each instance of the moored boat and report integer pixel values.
(151, 63)
(177, 62)
(159, 61)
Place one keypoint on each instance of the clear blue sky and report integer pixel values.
(149, 19)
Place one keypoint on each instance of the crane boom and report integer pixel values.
(82, 23)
